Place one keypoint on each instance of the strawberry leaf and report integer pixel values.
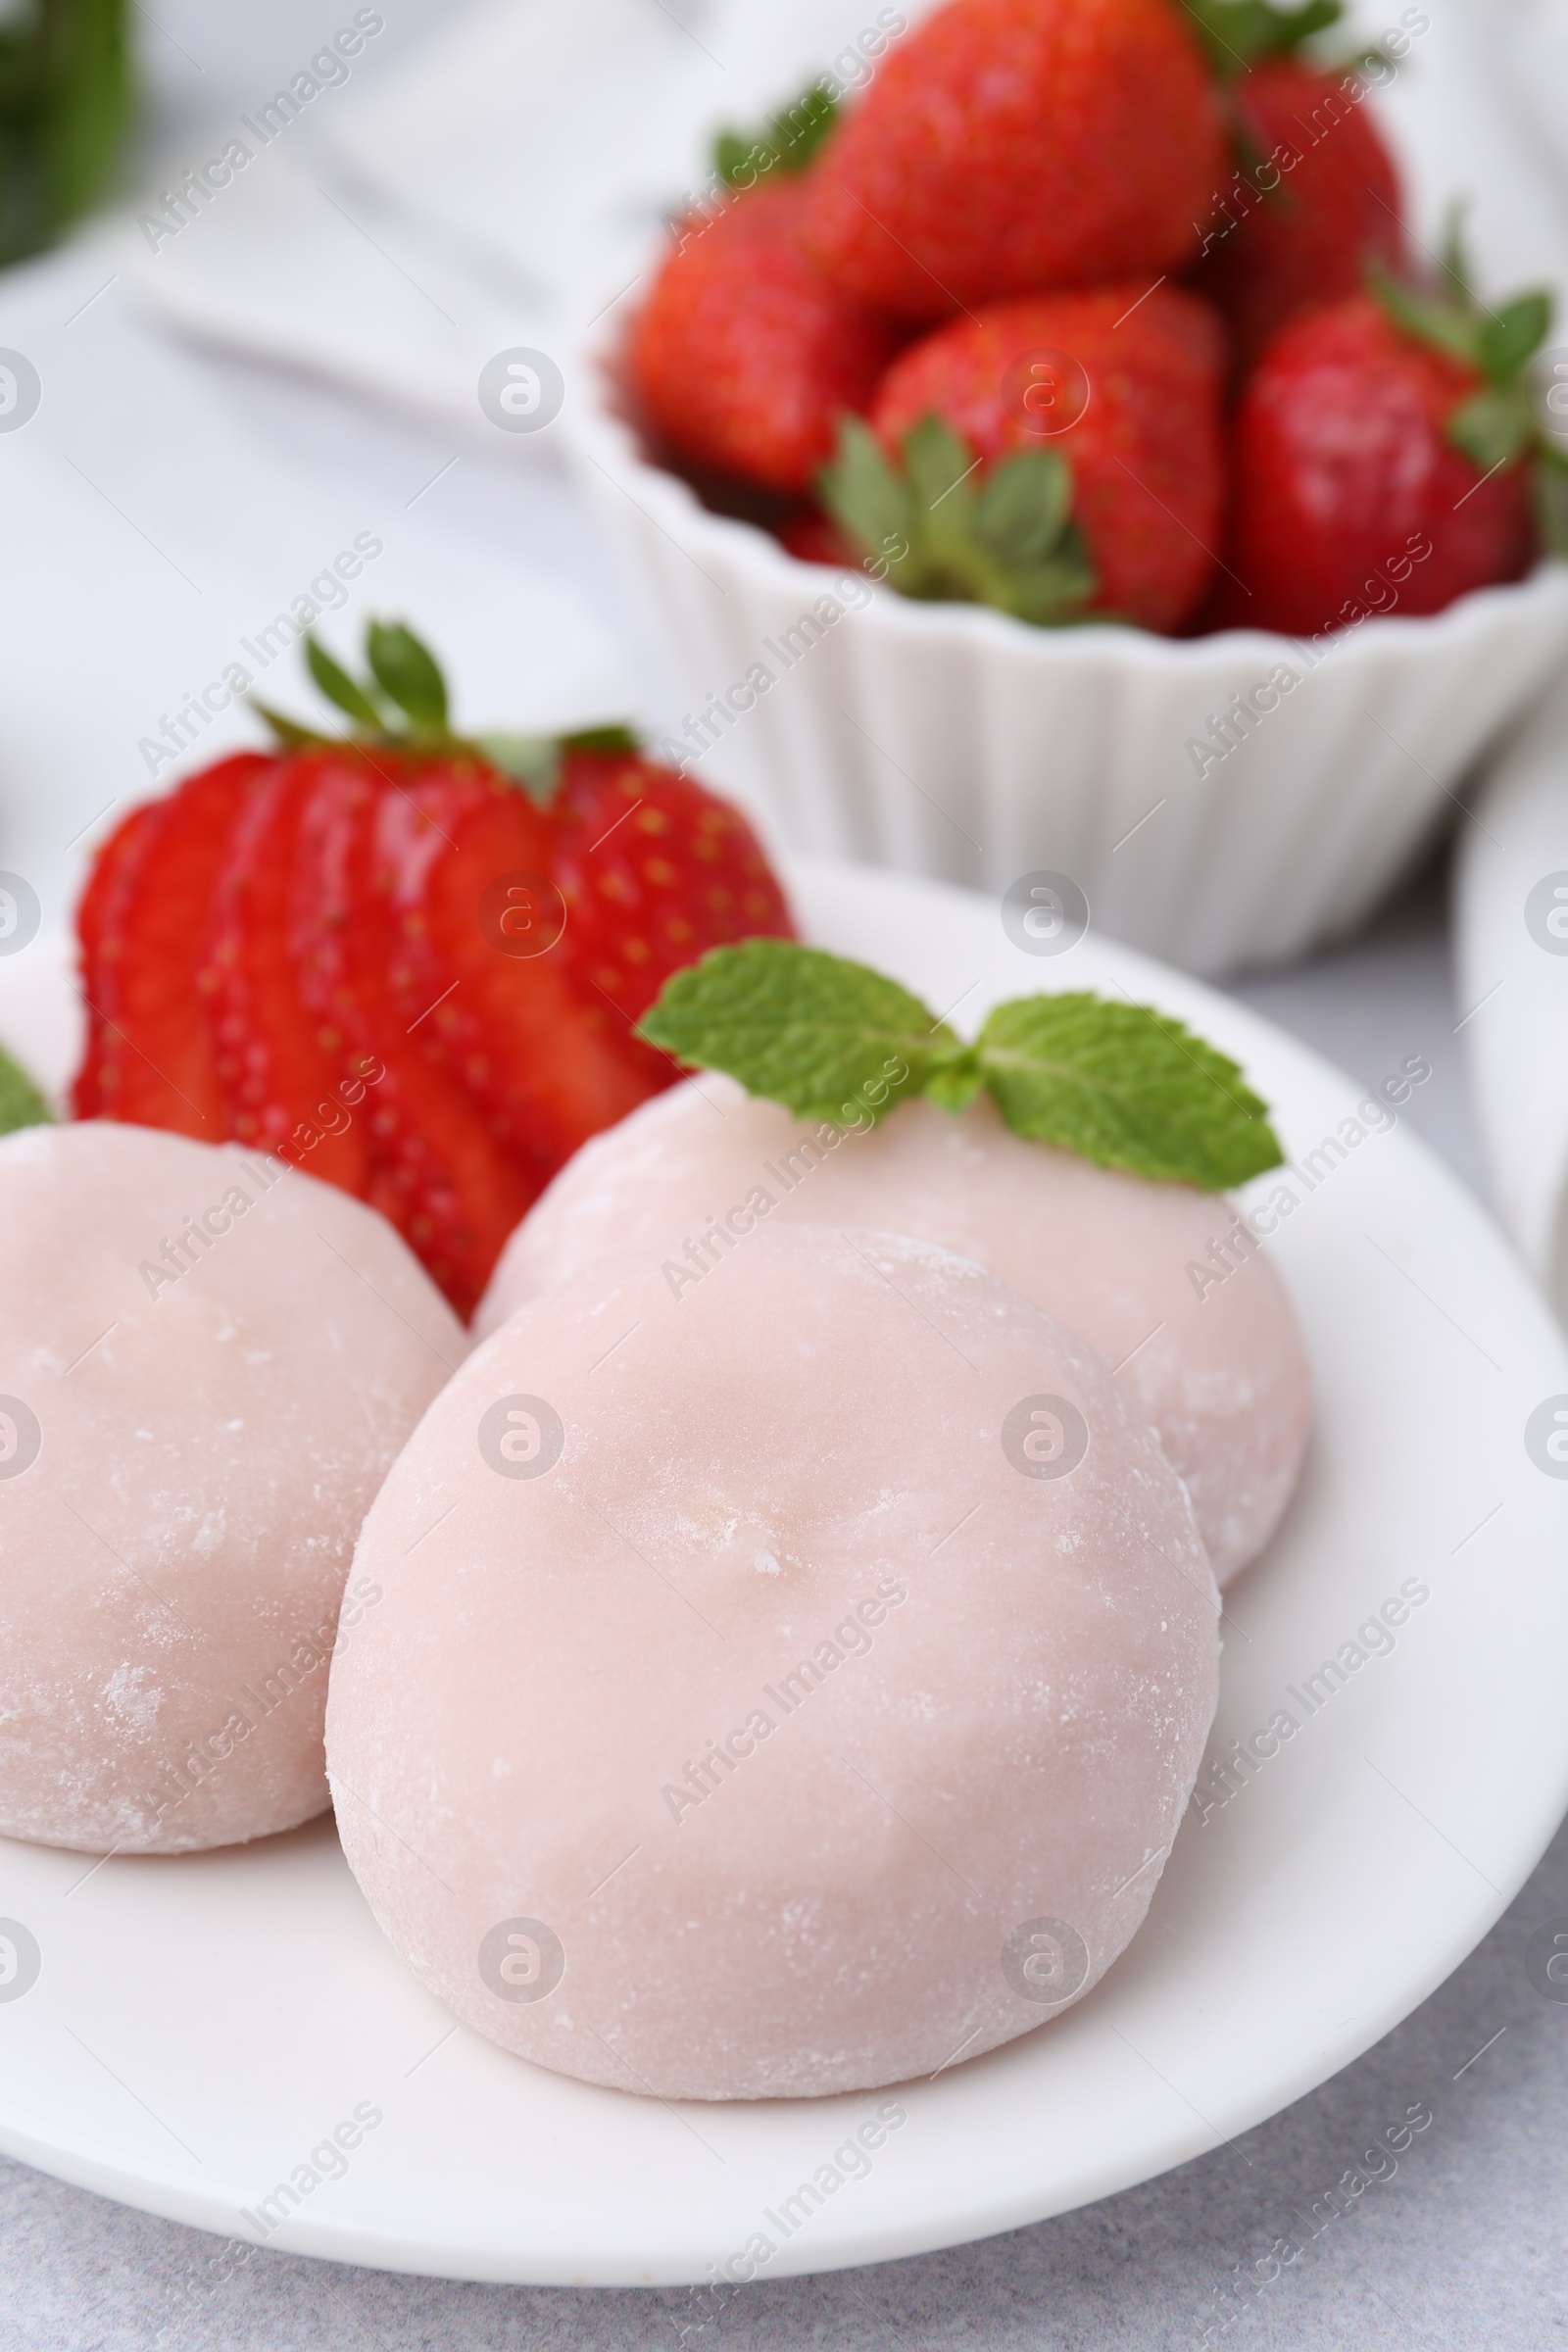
(288, 731)
(998, 536)
(1447, 324)
(1237, 33)
(616, 738)
(406, 673)
(1122, 1085)
(21, 1103)
(532, 761)
(1549, 488)
(1514, 335)
(338, 687)
(1492, 427)
(863, 493)
(1126, 1087)
(787, 141)
(823, 1036)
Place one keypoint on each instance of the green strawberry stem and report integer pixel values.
(835, 1042)
(940, 526)
(403, 705)
(787, 141)
(1498, 424)
(1238, 33)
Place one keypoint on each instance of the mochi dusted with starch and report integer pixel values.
(208, 1363)
(1162, 1280)
(785, 1686)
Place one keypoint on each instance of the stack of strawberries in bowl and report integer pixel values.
(1092, 334)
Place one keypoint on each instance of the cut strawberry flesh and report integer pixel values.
(481, 970)
(436, 1170)
(158, 1065)
(286, 1076)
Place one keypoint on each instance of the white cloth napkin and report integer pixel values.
(505, 185)
(1511, 958)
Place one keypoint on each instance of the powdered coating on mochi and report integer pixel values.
(1214, 1360)
(213, 1423)
(807, 1701)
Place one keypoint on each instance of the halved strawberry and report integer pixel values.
(159, 1067)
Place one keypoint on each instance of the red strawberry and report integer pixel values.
(98, 913)
(816, 539)
(436, 1173)
(1010, 145)
(743, 355)
(1372, 447)
(482, 976)
(317, 948)
(655, 871)
(1095, 420)
(1317, 199)
(277, 1063)
(159, 1067)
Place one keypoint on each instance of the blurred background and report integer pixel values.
(200, 450)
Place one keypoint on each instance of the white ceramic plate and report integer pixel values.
(198, 2026)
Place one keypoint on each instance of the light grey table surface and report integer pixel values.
(173, 498)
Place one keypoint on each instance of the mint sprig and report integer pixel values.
(21, 1105)
(940, 526)
(1122, 1085)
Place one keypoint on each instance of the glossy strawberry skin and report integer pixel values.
(158, 1066)
(1333, 204)
(743, 356)
(99, 915)
(278, 1065)
(1007, 146)
(1342, 466)
(468, 863)
(655, 871)
(1144, 450)
(436, 1170)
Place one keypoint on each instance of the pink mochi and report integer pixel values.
(208, 1363)
(783, 1688)
(1162, 1280)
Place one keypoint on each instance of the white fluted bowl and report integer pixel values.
(952, 741)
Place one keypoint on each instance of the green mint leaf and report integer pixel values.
(1126, 1087)
(338, 687)
(21, 1103)
(1514, 335)
(406, 673)
(1492, 427)
(532, 761)
(830, 1038)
